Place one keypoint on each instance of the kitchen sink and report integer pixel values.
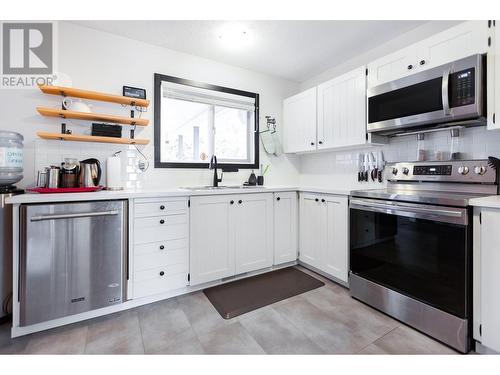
(222, 187)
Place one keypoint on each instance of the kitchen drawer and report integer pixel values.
(155, 273)
(154, 247)
(161, 228)
(160, 285)
(160, 258)
(160, 208)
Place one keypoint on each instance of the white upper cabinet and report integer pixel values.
(254, 232)
(299, 113)
(342, 110)
(390, 67)
(493, 79)
(285, 227)
(465, 39)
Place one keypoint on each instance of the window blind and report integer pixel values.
(205, 96)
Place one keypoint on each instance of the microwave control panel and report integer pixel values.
(462, 88)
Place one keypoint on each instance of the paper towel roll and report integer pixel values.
(113, 173)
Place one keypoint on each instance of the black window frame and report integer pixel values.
(158, 79)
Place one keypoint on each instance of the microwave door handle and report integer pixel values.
(444, 92)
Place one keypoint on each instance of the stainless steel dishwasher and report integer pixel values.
(73, 258)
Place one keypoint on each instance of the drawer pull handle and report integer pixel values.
(162, 273)
(232, 202)
(240, 201)
(162, 221)
(162, 247)
(410, 67)
(323, 201)
(278, 198)
(316, 200)
(162, 207)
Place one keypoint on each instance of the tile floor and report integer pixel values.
(323, 321)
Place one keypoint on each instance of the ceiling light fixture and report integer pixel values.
(234, 36)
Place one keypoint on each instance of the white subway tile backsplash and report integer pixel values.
(339, 169)
(47, 153)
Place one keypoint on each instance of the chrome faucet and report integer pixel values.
(213, 165)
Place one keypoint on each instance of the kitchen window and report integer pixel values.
(194, 121)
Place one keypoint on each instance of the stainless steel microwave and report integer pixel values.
(449, 93)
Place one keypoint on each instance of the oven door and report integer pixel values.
(443, 94)
(416, 250)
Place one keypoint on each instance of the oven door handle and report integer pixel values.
(435, 213)
(444, 92)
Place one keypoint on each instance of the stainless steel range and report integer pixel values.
(411, 245)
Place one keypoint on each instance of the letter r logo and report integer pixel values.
(27, 48)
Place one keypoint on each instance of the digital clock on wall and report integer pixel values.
(134, 92)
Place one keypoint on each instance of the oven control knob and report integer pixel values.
(406, 171)
(394, 171)
(463, 170)
(480, 169)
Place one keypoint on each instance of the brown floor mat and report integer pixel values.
(241, 296)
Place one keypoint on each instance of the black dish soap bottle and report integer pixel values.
(252, 180)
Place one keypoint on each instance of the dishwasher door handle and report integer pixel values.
(74, 216)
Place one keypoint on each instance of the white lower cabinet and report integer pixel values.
(254, 232)
(487, 279)
(285, 227)
(230, 234)
(159, 246)
(211, 238)
(324, 231)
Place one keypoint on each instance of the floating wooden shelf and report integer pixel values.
(91, 138)
(93, 95)
(62, 113)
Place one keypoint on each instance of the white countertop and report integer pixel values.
(492, 201)
(157, 193)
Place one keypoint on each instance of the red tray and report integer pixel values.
(42, 190)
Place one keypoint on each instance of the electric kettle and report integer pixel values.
(90, 173)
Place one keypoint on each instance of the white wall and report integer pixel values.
(339, 169)
(101, 61)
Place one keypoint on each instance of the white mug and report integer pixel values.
(76, 105)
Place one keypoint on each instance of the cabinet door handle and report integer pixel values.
(410, 67)
(162, 221)
(320, 142)
(162, 273)
(162, 207)
(422, 62)
(278, 198)
(323, 201)
(312, 143)
(231, 202)
(240, 201)
(162, 247)
(317, 200)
